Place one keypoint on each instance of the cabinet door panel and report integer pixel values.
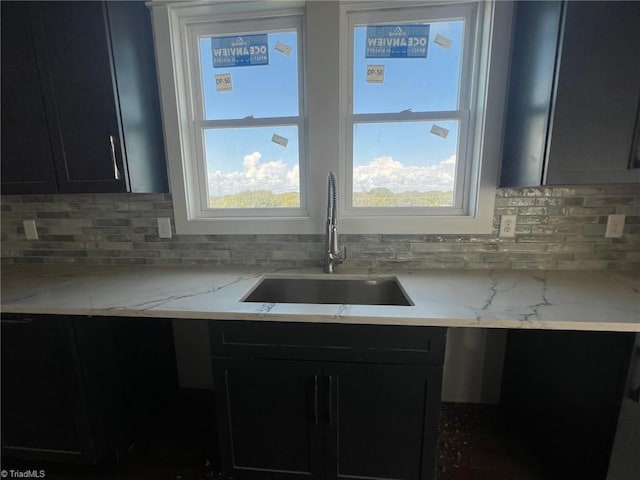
(267, 418)
(382, 422)
(597, 96)
(41, 394)
(27, 162)
(76, 58)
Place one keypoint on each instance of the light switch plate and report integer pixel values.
(164, 227)
(615, 226)
(30, 230)
(508, 226)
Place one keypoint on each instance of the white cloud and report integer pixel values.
(255, 175)
(380, 172)
(389, 173)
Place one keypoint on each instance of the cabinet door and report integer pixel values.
(80, 95)
(382, 421)
(42, 399)
(27, 162)
(598, 93)
(268, 418)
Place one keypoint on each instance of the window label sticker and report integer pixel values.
(223, 82)
(283, 48)
(439, 131)
(443, 41)
(282, 141)
(240, 51)
(397, 41)
(375, 73)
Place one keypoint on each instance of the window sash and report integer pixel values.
(283, 21)
(464, 114)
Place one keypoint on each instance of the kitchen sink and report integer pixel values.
(330, 290)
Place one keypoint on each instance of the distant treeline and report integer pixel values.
(378, 197)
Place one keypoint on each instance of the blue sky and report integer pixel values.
(405, 156)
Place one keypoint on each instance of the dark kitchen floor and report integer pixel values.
(475, 444)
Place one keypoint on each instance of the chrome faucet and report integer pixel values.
(332, 254)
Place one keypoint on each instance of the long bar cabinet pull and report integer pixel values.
(330, 399)
(116, 171)
(315, 399)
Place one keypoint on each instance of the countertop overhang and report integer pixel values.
(551, 299)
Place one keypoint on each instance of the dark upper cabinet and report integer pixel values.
(27, 161)
(96, 80)
(574, 94)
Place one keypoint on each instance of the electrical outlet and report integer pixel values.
(164, 227)
(30, 230)
(615, 226)
(508, 226)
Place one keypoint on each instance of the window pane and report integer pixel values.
(390, 85)
(252, 167)
(234, 92)
(408, 164)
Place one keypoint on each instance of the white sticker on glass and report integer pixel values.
(282, 141)
(283, 48)
(443, 41)
(223, 82)
(375, 73)
(439, 131)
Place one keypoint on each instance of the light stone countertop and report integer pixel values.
(571, 300)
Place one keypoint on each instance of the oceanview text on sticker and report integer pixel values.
(240, 51)
(223, 82)
(397, 41)
(282, 141)
(439, 131)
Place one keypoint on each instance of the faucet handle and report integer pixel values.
(344, 254)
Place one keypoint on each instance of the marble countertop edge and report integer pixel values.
(535, 299)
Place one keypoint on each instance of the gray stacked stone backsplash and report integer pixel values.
(559, 227)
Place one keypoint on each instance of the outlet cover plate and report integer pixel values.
(164, 227)
(615, 226)
(508, 226)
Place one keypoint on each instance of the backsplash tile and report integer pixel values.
(559, 227)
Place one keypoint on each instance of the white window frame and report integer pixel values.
(353, 18)
(222, 25)
(327, 85)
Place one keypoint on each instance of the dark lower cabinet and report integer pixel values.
(271, 417)
(43, 413)
(562, 390)
(382, 420)
(81, 389)
(322, 412)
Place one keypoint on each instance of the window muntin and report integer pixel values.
(408, 124)
(247, 129)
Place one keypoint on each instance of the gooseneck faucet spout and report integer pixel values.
(332, 254)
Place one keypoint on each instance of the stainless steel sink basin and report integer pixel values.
(330, 290)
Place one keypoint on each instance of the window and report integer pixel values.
(409, 114)
(248, 115)
(403, 100)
